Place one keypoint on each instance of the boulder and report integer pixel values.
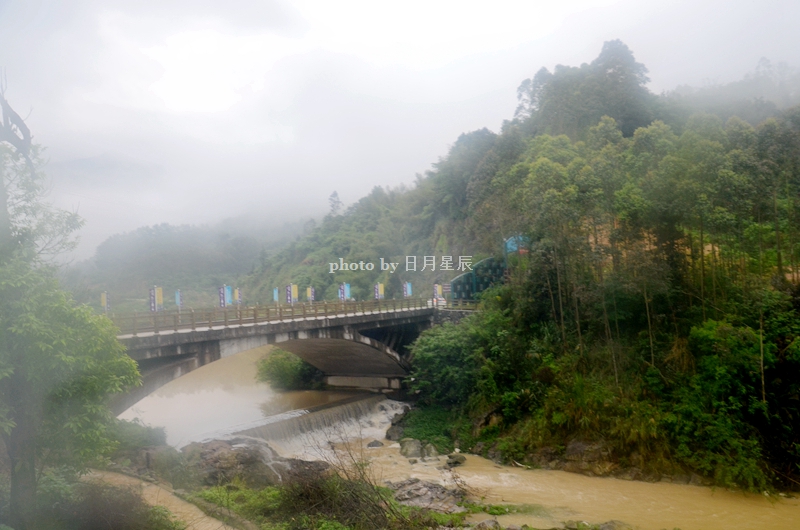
(429, 451)
(411, 448)
(487, 524)
(454, 460)
(394, 433)
(375, 443)
(423, 494)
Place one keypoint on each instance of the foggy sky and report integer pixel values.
(192, 111)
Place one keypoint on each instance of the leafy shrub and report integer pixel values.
(443, 368)
(283, 370)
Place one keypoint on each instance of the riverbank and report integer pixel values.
(161, 495)
(560, 496)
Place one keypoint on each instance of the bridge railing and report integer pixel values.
(136, 323)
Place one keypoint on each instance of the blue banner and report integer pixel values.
(275, 295)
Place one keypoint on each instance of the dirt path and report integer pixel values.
(157, 495)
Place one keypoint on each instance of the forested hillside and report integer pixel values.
(656, 309)
(195, 259)
(456, 208)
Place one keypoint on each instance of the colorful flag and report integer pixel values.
(222, 296)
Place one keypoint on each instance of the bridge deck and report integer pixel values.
(165, 323)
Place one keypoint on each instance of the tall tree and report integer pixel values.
(58, 361)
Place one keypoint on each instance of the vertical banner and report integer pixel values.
(408, 289)
(435, 291)
(347, 291)
(377, 293)
(381, 291)
(238, 296)
(405, 289)
(289, 294)
(179, 299)
(228, 295)
(159, 299)
(310, 294)
(313, 294)
(275, 295)
(295, 294)
(222, 296)
(104, 300)
(153, 300)
(341, 292)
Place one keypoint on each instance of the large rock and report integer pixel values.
(488, 524)
(394, 433)
(429, 451)
(455, 459)
(416, 492)
(587, 458)
(253, 461)
(411, 448)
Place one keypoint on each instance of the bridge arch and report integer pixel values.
(333, 342)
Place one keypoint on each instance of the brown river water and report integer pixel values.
(223, 398)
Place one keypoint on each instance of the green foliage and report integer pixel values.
(134, 435)
(67, 504)
(325, 502)
(256, 505)
(439, 426)
(59, 361)
(443, 370)
(283, 370)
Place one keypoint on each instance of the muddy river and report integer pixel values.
(223, 398)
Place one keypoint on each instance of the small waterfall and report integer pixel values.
(311, 433)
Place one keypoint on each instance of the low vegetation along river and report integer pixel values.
(223, 398)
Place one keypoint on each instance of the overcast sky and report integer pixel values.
(191, 111)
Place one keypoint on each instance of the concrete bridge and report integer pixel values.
(355, 344)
